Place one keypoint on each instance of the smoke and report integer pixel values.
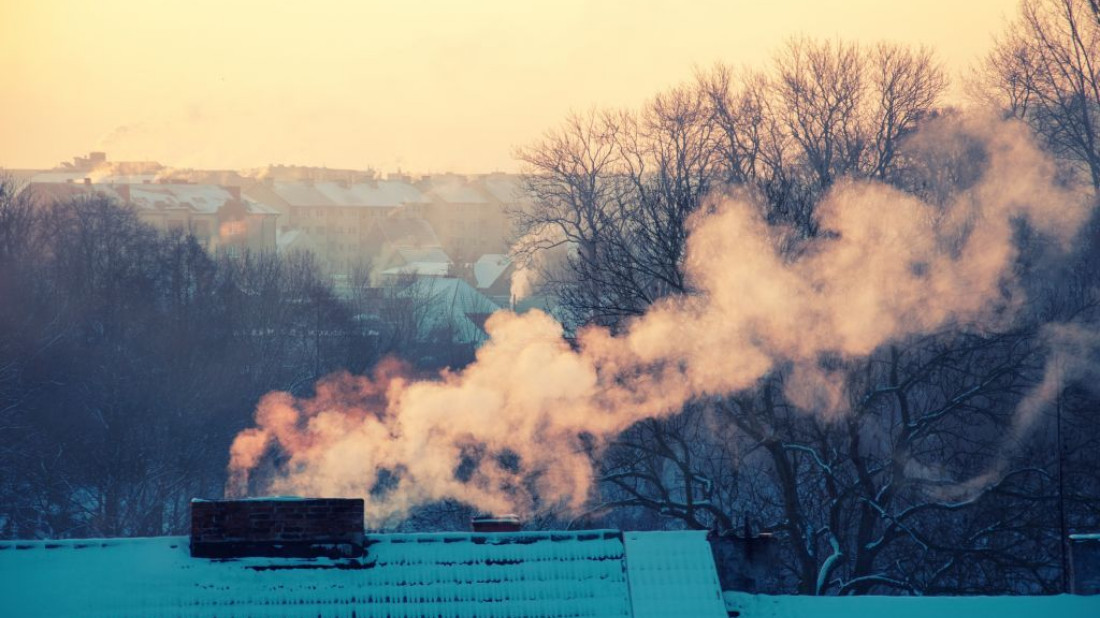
(517, 429)
(535, 271)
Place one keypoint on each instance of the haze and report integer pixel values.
(425, 86)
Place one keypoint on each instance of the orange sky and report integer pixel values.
(424, 85)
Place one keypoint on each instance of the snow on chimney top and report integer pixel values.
(496, 523)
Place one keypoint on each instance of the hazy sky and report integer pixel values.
(429, 85)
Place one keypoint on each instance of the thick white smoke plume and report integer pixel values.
(509, 426)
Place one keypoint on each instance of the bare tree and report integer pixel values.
(1044, 71)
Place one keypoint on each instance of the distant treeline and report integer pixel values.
(129, 358)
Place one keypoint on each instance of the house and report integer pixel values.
(492, 274)
(218, 216)
(470, 215)
(398, 244)
(453, 311)
(338, 214)
(237, 563)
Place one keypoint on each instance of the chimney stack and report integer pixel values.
(234, 191)
(277, 527)
(496, 523)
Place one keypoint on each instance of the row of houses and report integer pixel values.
(450, 231)
(345, 217)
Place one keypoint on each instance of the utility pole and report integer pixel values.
(1063, 537)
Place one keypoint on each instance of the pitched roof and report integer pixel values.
(454, 308)
(537, 574)
(506, 188)
(489, 267)
(672, 574)
(151, 197)
(384, 193)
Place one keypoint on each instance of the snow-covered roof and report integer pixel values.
(200, 198)
(381, 194)
(785, 606)
(489, 267)
(456, 190)
(54, 176)
(151, 197)
(123, 179)
(454, 307)
(537, 574)
(672, 574)
(420, 269)
(427, 255)
(505, 188)
(427, 262)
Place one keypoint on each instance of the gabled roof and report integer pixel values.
(672, 574)
(454, 307)
(207, 199)
(536, 574)
(489, 267)
(429, 262)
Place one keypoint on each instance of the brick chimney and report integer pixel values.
(495, 523)
(283, 527)
(234, 191)
(123, 192)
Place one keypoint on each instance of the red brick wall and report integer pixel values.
(277, 527)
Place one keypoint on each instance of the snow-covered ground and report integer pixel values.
(765, 606)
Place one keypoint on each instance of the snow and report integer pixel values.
(489, 267)
(539, 574)
(449, 575)
(506, 189)
(672, 574)
(419, 269)
(452, 305)
(256, 499)
(384, 194)
(59, 177)
(765, 606)
(456, 191)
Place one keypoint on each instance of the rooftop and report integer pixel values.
(539, 574)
